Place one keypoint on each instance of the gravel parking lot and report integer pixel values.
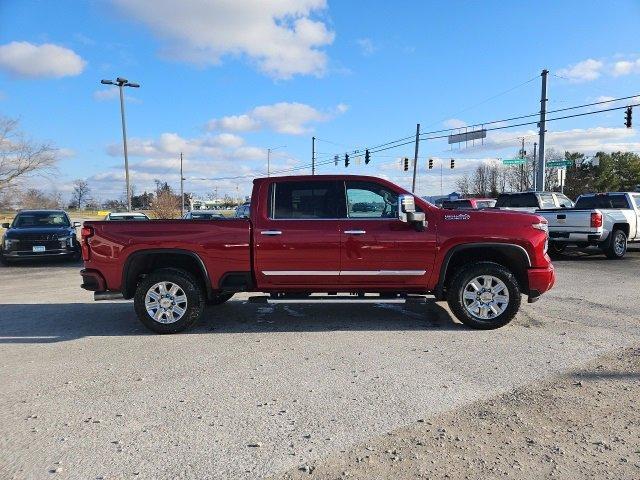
(258, 390)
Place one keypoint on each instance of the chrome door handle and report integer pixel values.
(271, 232)
(355, 232)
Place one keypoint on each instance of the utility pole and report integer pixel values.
(441, 179)
(121, 83)
(268, 162)
(522, 169)
(181, 188)
(543, 112)
(415, 159)
(313, 155)
(535, 145)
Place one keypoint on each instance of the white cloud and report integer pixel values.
(366, 46)
(289, 118)
(280, 36)
(584, 71)
(625, 67)
(454, 123)
(24, 59)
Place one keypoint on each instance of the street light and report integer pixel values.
(269, 150)
(123, 82)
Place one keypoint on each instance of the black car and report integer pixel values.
(40, 234)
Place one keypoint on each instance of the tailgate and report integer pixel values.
(569, 221)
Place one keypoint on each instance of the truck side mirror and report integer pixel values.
(77, 224)
(407, 212)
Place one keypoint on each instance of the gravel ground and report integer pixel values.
(257, 390)
(583, 425)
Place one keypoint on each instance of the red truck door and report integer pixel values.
(297, 237)
(378, 248)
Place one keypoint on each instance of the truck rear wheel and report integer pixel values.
(616, 247)
(484, 295)
(169, 300)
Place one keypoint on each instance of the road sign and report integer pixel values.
(466, 136)
(560, 163)
(514, 161)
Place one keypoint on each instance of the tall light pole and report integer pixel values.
(123, 82)
(269, 150)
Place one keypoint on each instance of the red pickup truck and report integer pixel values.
(322, 234)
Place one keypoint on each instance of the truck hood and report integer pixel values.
(53, 232)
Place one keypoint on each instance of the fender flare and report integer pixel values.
(151, 251)
(439, 290)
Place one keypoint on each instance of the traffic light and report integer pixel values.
(430, 163)
(453, 163)
(405, 164)
(346, 159)
(627, 118)
(367, 157)
(335, 160)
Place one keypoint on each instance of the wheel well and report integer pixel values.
(621, 226)
(510, 257)
(141, 264)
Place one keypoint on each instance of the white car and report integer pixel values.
(608, 220)
(202, 215)
(128, 216)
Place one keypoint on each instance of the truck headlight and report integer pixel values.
(9, 242)
(68, 241)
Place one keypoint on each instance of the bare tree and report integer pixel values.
(80, 193)
(463, 185)
(34, 198)
(21, 157)
(166, 205)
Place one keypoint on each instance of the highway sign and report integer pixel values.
(514, 161)
(466, 136)
(560, 163)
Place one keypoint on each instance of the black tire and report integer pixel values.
(219, 298)
(195, 300)
(616, 247)
(461, 282)
(556, 248)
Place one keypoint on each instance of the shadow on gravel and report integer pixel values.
(16, 265)
(50, 323)
(603, 375)
(592, 254)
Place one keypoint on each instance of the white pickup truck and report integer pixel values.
(608, 220)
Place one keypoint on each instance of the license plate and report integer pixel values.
(38, 248)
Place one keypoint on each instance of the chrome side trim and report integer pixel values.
(410, 273)
(271, 232)
(342, 273)
(355, 232)
(301, 273)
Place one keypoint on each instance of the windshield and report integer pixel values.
(603, 201)
(205, 216)
(41, 219)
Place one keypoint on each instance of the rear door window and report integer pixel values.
(603, 201)
(306, 200)
(547, 200)
(371, 200)
(564, 201)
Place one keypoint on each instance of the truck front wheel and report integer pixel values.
(484, 295)
(169, 300)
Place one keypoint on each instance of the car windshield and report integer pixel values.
(41, 219)
(205, 216)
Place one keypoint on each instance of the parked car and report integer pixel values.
(607, 220)
(39, 234)
(243, 211)
(532, 201)
(469, 203)
(128, 216)
(202, 215)
(303, 237)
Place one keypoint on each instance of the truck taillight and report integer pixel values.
(596, 219)
(86, 233)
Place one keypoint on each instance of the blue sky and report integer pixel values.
(224, 81)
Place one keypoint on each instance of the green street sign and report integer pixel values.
(560, 163)
(514, 161)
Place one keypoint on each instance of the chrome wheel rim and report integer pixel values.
(166, 302)
(485, 297)
(619, 243)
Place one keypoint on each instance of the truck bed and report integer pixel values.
(223, 245)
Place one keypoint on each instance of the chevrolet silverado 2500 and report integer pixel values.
(312, 234)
